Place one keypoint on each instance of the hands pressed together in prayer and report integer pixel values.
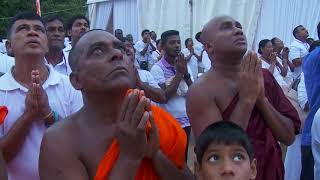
(37, 105)
(181, 65)
(135, 139)
(251, 84)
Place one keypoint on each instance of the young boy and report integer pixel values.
(224, 151)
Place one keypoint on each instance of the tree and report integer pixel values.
(64, 8)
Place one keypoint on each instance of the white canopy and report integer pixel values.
(261, 19)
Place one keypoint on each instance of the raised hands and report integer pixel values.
(250, 83)
(134, 141)
(37, 105)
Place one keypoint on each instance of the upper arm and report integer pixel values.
(280, 102)
(158, 74)
(56, 160)
(201, 109)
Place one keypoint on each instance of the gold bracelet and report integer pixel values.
(48, 115)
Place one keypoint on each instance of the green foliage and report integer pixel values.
(64, 8)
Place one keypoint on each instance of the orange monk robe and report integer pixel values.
(172, 140)
(3, 113)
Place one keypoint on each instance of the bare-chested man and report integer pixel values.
(238, 90)
(104, 72)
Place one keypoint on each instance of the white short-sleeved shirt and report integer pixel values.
(302, 92)
(63, 99)
(298, 49)
(315, 144)
(276, 73)
(63, 67)
(6, 63)
(176, 106)
(146, 77)
(193, 63)
(139, 46)
(205, 61)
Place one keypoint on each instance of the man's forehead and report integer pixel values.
(80, 21)
(27, 21)
(54, 23)
(93, 37)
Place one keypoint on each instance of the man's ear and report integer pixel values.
(209, 48)
(197, 170)
(69, 33)
(9, 48)
(253, 167)
(75, 80)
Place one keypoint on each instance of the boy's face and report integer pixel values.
(226, 162)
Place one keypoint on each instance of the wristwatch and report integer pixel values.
(186, 76)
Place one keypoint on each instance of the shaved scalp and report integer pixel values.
(77, 49)
(210, 28)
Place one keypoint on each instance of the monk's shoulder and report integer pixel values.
(62, 132)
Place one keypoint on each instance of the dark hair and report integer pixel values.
(314, 45)
(318, 30)
(118, 30)
(23, 15)
(262, 44)
(186, 41)
(75, 52)
(273, 40)
(74, 18)
(295, 31)
(158, 41)
(198, 36)
(165, 35)
(144, 31)
(222, 132)
(51, 18)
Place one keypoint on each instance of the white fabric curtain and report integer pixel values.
(162, 15)
(125, 17)
(99, 14)
(279, 18)
(245, 11)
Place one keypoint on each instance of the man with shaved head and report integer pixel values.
(237, 89)
(114, 135)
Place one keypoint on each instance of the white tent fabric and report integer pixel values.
(125, 17)
(162, 15)
(99, 14)
(259, 18)
(279, 18)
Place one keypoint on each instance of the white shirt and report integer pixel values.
(298, 49)
(63, 99)
(302, 92)
(176, 106)
(63, 67)
(205, 61)
(146, 77)
(276, 73)
(6, 63)
(139, 46)
(315, 134)
(193, 63)
(155, 54)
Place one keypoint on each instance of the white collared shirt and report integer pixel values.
(139, 46)
(298, 49)
(63, 99)
(63, 67)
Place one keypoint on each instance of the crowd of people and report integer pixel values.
(107, 107)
